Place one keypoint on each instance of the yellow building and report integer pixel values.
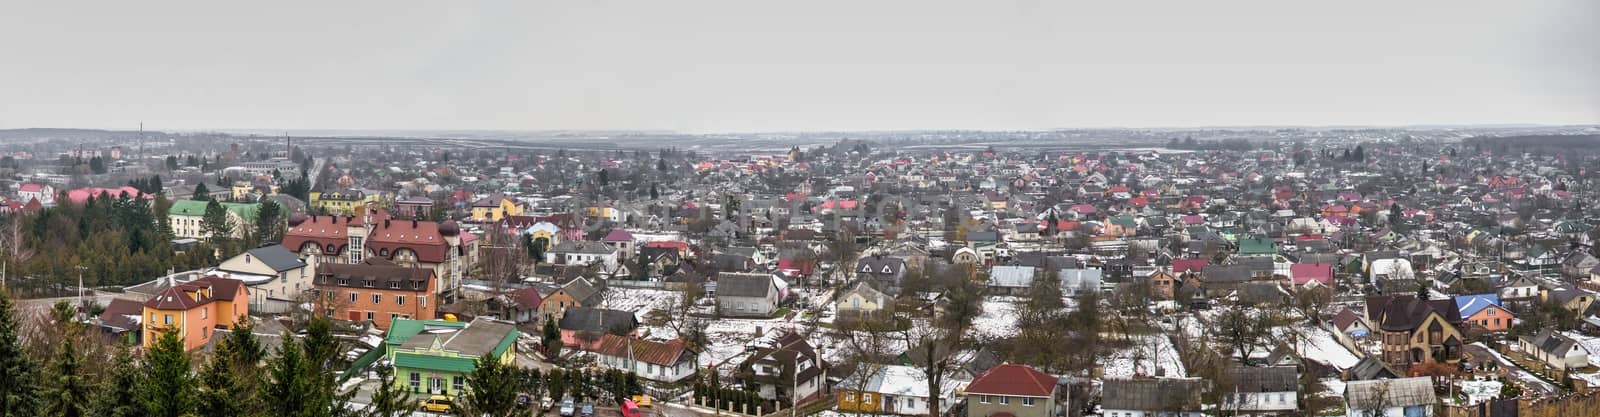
(495, 207)
(345, 202)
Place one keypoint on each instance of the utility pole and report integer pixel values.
(80, 284)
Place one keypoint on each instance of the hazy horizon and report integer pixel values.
(728, 66)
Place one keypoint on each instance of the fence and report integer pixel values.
(635, 284)
(1586, 404)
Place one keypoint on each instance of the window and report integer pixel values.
(344, 281)
(400, 300)
(866, 398)
(205, 332)
(849, 397)
(457, 382)
(168, 319)
(1005, 399)
(377, 298)
(1491, 312)
(911, 402)
(369, 316)
(416, 382)
(1027, 401)
(394, 284)
(422, 301)
(352, 296)
(204, 311)
(983, 399)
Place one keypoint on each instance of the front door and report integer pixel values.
(436, 385)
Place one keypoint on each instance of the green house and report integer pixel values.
(434, 356)
(186, 217)
(1257, 247)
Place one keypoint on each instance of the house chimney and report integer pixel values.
(386, 223)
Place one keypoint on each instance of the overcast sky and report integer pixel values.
(757, 65)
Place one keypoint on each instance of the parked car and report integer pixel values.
(588, 409)
(545, 404)
(437, 404)
(630, 409)
(567, 408)
(643, 400)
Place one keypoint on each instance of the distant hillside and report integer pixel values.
(55, 133)
(1532, 143)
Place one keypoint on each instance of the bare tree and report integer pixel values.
(866, 350)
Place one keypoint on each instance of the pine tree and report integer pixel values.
(215, 223)
(68, 393)
(168, 389)
(494, 388)
(287, 386)
(118, 396)
(201, 192)
(222, 393)
(552, 338)
(18, 386)
(269, 222)
(389, 400)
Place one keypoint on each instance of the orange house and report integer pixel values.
(1162, 285)
(1484, 311)
(376, 290)
(194, 309)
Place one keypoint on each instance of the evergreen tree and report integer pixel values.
(201, 192)
(119, 396)
(654, 194)
(389, 400)
(222, 393)
(18, 384)
(552, 337)
(215, 223)
(494, 388)
(168, 389)
(661, 165)
(287, 386)
(69, 391)
(604, 178)
(269, 222)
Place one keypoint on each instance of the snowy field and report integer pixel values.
(1149, 354)
(1317, 344)
(999, 318)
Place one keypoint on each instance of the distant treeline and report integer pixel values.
(1234, 144)
(1534, 143)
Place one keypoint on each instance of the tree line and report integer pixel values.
(56, 365)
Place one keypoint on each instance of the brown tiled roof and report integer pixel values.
(1013, 379)
(1406, 312)
(379, 271)
(325, 231)
(417, 236)
(204, 290)
(648, 351)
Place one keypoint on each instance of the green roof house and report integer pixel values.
(1257, 247)
(433, 357)
(186, 217)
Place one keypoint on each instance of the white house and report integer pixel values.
(42, 192)
(749, 295)
(1554, 349)
(898, 389)
(1263, 391)
(272, 272)
(1402, 397)
(583, 253)
(667, 362)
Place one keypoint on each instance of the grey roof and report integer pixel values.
(1265, 379)
(598, 320)
(1080, 279)
(480, 337)
(1152, 394)
(1382, 393)
(744, 285)
(1011, 276)
(277, 257)
(1551, 342)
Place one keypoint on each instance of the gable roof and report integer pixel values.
(598, 320)
(745, 285)
(277, 257)
(666, 353)
(205, 290)
(1472, 304)
(1013, 379)
(1402, 392)
(1152, 394)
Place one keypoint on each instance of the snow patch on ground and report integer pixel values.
(999, 318)
(1149, 354)
(1478, 391)
(1318, 344)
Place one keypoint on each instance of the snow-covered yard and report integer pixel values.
(1478, 391)
(999, 318)
(1317, 344)
(1148, 355)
